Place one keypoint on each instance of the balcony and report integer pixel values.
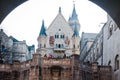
(59, 49)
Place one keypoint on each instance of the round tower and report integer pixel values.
(42, 40)
(75, 25)
(73, 19)
(76, 41)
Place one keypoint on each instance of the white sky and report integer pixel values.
(24, 23)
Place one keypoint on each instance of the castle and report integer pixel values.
(57, 44)
(57, 56)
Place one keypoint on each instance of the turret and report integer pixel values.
(75, 25)
(42, 36)
(73, 19)
(43, 30)
(76, 42)
(42, 39)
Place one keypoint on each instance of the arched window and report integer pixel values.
(110, 29)
(57, 36)
(109, 63)
(117, 62)
(56, 45)
(61, 36)
(59, 46)
(62, 46)
(74, 46)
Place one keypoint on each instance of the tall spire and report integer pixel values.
(74, 14)
(59, 9)
(42, 31)
(73, 20)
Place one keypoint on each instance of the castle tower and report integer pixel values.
(73, 19)
(75, 25)
(76, 41)
(42, 40)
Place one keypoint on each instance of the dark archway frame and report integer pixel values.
(112, 7)
(6, 6)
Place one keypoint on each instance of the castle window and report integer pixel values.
(59, 46)
(117, 62)
(56, 36)
(56, 45)
(109, 63)
(62, 46)
(62, 36)
(110, 29)
(74, 46)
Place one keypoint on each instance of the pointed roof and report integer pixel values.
(14, 39)
(43, 30)
(74, 14)
(76, 32)
(70, 18)
(73, 19)
(31, 47)
(59, 22)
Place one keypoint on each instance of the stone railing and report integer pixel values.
(65, 61)
(104, 68)
(16, 66)
(4, 67)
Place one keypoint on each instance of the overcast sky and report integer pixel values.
(24, 22)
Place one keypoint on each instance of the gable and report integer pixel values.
(59, 23)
